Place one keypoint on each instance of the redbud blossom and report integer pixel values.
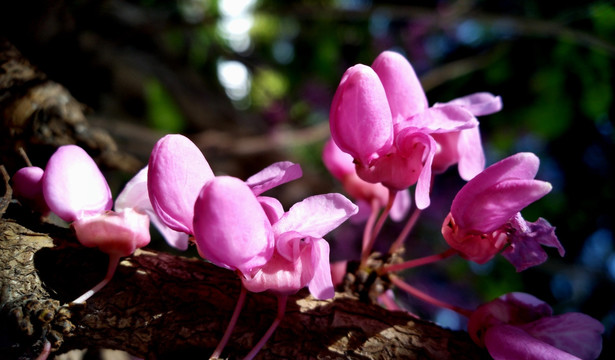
(301, 256)
(380, 116)
(485, 216)
(28, 188)
(520, 326)
(76, 190)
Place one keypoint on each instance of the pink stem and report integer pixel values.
(418, 262)
(427, 298)
(229, 328)
(46, 351)
(114, 260)
(405, 231)
(281, 311)
(369, 226)
(379, 224)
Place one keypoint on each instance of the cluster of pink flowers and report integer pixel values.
(386, 138)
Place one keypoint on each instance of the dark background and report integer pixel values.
(150, 67)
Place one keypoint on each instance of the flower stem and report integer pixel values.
(114, 260)
(427, 298)
(281, 311)
(405, 231)
(367, 249)
(45, 352)
(369, 226)
(418, 262)
(231, 325)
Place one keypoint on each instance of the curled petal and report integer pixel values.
(574, 333)
(73, 185)
(479, 104)
(273, 208)
(316, 215)
(420, 146)
(273, 175)
(506, 342)
(401, 205)
(321, 285)
(135, 196)
(441, 119)
(471, 154)
(404, 92)
(177, 172)
(360, 118)
(525, 241)
(114, 233)
(231, 228)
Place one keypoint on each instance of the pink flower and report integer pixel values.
(28, 188)
(380, 116)
(76, 190)
(341, 166)
(273, 250)
(485, 216)
(520, 326)
(301, 255)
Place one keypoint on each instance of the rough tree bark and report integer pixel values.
(158, 305)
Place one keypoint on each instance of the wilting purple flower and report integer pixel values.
(485, 216)
(520, 326)
(380, 116)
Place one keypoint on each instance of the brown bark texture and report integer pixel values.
(158, 305)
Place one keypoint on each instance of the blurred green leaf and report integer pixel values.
(162, 111)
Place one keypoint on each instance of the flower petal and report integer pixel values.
(282, 276)
(441, 119)
(135, 196)
(273, 208)
(471, 154)
(336, 161)
(316, 215)
(28, 188)
(273, 175)
(321, 285)
(230, 227)
(479, 104)
(73, 185)
(493, 207)
(114, 233)
(574, 333)
(525, 241)
(177, 172)
(404, 92)
(360, 117)
(506, 342)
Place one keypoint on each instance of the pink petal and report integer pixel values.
(471, 154)
(481, 103)
(401, 205)
(73, 185)
(282, 276)
(114, 233)
(273, 208)
(421, 146)
(506, 342)
(525, 240)
(28, 188)
(404, 92)
(321, 285)
(360, 118)
(135, 196)
(230, 227)
(316, 215)
(336, 161)
(441, 119)
(574, 333)
(177, 172)
(493, 207)
(274, 175)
